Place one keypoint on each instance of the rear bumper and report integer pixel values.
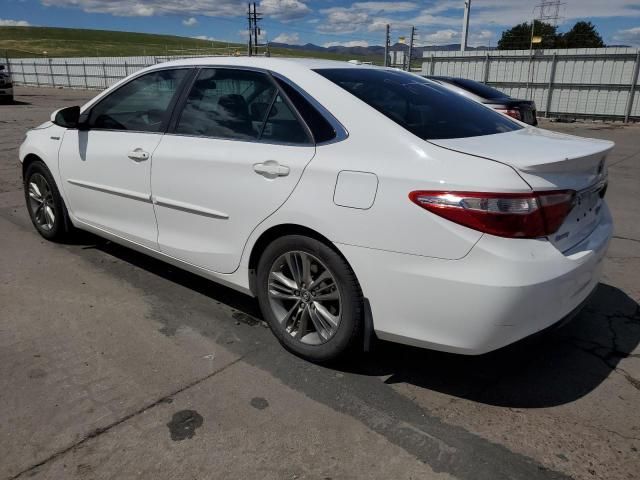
(6, 91)
(502, 291)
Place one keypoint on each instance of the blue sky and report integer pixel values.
(328, 22)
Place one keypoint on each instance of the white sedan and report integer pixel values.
(351, 200)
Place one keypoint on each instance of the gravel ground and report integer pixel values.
(114, 365)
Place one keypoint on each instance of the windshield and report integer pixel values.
(478, 88)
(426, 109)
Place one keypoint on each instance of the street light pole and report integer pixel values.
(533, 27)
(465, 25)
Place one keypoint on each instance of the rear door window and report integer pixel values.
(424, 108)
(282, 125)
(320, 127)
(238, 105)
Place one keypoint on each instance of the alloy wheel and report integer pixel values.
(304, 297)
(41, 202)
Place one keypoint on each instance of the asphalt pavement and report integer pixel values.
(115, 365)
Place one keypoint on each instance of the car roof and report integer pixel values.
(268, 63)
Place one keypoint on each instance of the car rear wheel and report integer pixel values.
(310, 297)
(44, 203)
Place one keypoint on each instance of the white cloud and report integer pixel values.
(445, 5)
(482, 35)
(147, 8)
(630, 36)
(390, 7)
(208, 39)
(363, 16)
(284, 10)
(352, 43)
(449, 36)
(289, 38)
(6, 22)
(512, 12)
(190, 22)
(506, 13)
(441, 37)
(343, 20)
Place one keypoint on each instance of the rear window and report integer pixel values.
(428, 110)
(478, 88)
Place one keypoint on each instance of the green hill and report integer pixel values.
(75, 42)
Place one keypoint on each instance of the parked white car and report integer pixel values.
(6, 85)
(348, 199)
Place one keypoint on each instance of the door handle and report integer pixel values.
(138, 155)
(271, 169)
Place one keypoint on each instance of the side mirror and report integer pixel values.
(67, 117)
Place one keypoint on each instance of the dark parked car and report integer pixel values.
(523, 110)
(6, 85)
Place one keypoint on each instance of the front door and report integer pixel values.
(106, 170)
(234, 155)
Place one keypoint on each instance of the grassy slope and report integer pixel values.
(75, 42)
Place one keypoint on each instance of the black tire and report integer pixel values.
(349, 330)
(61, 228)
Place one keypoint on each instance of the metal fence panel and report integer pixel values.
(79, 72)
(593, 83)
(588, 82)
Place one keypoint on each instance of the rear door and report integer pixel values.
(106, 170)
(233, 155)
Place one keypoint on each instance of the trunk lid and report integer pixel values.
(550, 161)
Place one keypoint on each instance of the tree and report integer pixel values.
(519, 37)
(582, 35)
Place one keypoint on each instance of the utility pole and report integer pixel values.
(465, 25)
(256, 30)
(250, 18)
(254, 18)
(413, 35)
(387, 42)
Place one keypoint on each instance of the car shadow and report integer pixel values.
(554, 368)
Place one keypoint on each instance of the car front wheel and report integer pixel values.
(44, 203)
(310, 297)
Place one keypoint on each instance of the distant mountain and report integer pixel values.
(374, 49)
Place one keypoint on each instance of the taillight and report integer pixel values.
(513, 215)
(511, 112)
